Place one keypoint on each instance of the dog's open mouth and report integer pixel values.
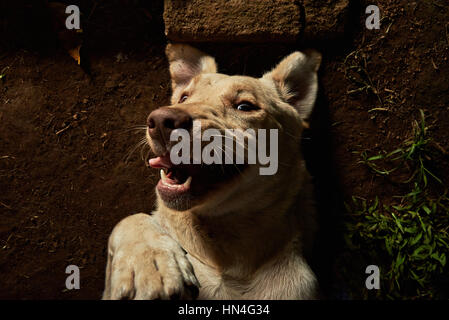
(174, 180)
(181, 185)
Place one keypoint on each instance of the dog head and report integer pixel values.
(208, 103)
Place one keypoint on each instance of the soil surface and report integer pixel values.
(71, 162)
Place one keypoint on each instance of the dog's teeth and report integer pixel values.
(163, 175)
(188, 182)
(174, 186)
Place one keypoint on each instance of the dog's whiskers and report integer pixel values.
(226, 155)
(232, 139)
(133, 130)
(142, 143)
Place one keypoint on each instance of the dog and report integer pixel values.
(224, 231)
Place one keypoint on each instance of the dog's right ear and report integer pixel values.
(297, 80)
(186, 62)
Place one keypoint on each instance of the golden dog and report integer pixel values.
(223, 231)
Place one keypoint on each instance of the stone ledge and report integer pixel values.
(261, 21)
(233, 20)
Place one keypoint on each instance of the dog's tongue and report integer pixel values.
(161, 162)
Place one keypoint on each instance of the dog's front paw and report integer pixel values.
(156, 269)
(146, 273)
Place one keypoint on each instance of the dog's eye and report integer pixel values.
(183, 98)
(246, 106)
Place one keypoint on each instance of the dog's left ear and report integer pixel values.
(186, 62)
(297, 80)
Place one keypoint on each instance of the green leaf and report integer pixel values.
(416, 239)
(398, 223)
(380, 156)
(426, 209)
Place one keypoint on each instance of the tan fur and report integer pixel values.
(248, 239)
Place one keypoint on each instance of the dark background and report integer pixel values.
(70, 161)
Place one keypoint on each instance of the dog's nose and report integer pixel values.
(161, 122)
